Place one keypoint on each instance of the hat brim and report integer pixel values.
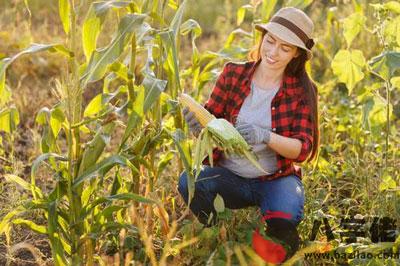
(284, 34)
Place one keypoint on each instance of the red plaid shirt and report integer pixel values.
(290, 115)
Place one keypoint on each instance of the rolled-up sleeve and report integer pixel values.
(302, 129)
(218, 97)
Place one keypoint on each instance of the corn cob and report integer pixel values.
(218, 131)
(201, 113)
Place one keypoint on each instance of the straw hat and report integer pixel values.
(293, 26)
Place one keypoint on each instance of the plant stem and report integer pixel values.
(387, 86)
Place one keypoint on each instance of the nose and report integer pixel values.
(274, 50)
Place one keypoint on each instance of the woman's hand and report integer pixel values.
(194, 125)
(287, 147)
(254, 134)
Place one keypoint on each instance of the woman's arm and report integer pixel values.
(287, 147)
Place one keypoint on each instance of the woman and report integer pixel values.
(273, 104)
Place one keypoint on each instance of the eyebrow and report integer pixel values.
(287, 45)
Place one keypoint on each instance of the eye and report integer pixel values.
(269, 40)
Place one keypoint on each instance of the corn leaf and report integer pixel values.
(6, 220)
(94, 21)
(177, 20)
(9, 120)
(22, 183)
(95, 147)
(64, 11)
(301, 4)
(102, 58)
(147, 96)
(33, 48)
(182, 144)
(57, 248)
(241, 13)
(31, 225)
(56, 119)
(35, 165)
(121, 196)
(101, 168)
(267, 9)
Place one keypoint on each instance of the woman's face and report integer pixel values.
(276, 53)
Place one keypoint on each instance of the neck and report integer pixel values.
(267, 75)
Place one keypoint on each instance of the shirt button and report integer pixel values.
(274, 129)
(280, 171)
(273, 108)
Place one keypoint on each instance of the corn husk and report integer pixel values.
(217, 132)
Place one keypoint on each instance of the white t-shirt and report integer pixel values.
(256, 109)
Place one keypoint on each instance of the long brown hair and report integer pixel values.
(297, 68)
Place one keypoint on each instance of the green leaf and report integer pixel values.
(171, 64)
(56, 119)
(95, 147)
(165, 158)
(37, 162)
(301, 4)
(43, 116)
(22, 183)
(99, 103)
(64, 12)
(395, 82)
(33, 48)
(267, 9)
(153, 89)
(182, 144)
(241, 13)
(385, 65)
(101, 168)
(31, 225)
(176, 21)
(6, 220)
(392, 30)
(387, 183)
(393, 6)
(191, 25)
(57, 248)
(9, 120)
(147, 96)
(348, 65)
(352, 25)
(101, 59)
(94, 106)
(121, 196)
(94, 21)
(219, 204)
(5, 94)
(233, 35)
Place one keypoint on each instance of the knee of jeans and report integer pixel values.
(182, 185)
(294, 218)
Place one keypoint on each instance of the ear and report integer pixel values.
(297, 53)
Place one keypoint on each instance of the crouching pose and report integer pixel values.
(272, 102)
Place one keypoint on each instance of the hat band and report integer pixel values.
(309, 43)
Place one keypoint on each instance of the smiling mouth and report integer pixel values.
(270, 60)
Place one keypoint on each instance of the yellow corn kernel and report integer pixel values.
(199, 111)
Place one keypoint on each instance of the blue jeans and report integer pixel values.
(278, 198)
